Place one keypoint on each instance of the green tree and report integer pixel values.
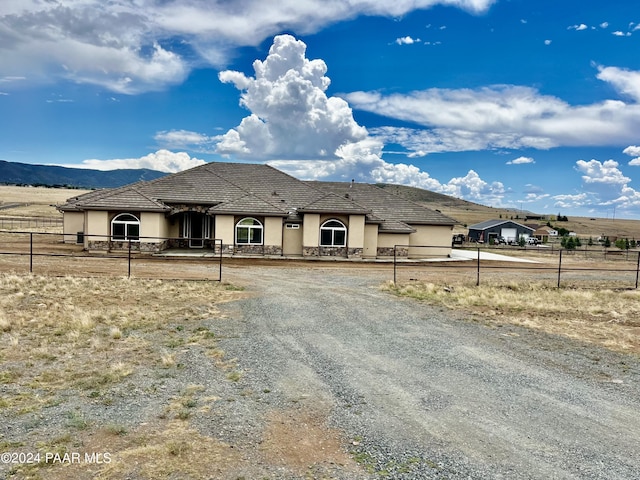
(522, 241)
(620, 243)
(578, 242)
(570, 244)
(590, 242)
(607, 242)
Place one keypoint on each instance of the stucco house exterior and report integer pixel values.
(255, 209)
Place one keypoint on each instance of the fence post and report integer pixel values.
(559, 267)
(129, 260)
(478, 273)
(637, 270)
(394, 265)
(31, 252)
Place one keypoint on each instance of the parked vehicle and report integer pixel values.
(533, 241)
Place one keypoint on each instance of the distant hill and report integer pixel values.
(14, 173)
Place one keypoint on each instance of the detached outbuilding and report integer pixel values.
(491, 230)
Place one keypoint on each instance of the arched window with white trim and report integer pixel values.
(333, 233)
(125, 227)
(249, 232)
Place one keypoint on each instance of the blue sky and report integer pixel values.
(511, 103)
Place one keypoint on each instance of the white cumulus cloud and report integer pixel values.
(291, 115)
(162, 160)
(521, 161)
(407, 40)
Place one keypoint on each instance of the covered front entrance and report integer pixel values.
(196, 227)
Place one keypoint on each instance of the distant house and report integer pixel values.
(491, 230)
(257, 210)
(544, 232)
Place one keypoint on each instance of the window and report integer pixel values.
(333, 234)
(249, 232)
(125, 227)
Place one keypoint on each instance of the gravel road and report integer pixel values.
(342, 380)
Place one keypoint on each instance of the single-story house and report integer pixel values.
(491, 230)
(544, 232)
(255, 209)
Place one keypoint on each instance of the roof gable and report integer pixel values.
(495, 223)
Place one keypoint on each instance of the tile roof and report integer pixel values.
(257, 189)
(393, 209)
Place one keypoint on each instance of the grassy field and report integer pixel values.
(32, 203)
(70, 346)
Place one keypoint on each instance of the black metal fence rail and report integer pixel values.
(629, 263)
(34, 245)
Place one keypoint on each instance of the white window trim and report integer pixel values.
(259, 226)
(342, 228)
(126, 224)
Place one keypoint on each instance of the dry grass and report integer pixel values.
(80, 337)
(36, 195)
(87, 333)
(603, 316)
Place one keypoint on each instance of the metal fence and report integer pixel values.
(560, 268)
(59, 254)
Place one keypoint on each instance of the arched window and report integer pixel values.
(333, 233)
(249, 232)
(125, 227)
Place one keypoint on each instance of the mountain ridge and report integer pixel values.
(15, 173)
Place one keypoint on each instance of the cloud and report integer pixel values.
(618, 33)
(162, 160)
(633, 151)
(625, 81)
(504, 117)
(291, 115)
(131, 47)
(547, 42)
(407, 40)
(604, 25)
(578, 28)
(605, 185)
(184, 139)
(521, 161)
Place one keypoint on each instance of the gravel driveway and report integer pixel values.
(342, 380)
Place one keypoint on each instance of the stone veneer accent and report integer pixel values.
(388, 252)
(273, 250)
(144, 247)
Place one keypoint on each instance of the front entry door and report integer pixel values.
(196, 228)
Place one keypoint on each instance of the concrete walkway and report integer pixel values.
(473, 255)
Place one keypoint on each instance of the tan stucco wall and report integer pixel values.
(370, 249)
(97, 223)
(388, 240)
(273, 231)
(292, 241)
(225, 229)
(433, 236)
(72, 223)
(355, 231)
(153, 227)
(311, 230)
